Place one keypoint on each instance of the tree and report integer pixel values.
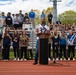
(68, 17)
(37, 16)
(49, 9)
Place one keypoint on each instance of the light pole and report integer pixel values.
(55, 9)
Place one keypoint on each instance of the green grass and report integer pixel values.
(11, 54)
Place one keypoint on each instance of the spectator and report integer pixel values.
(2, 20)
(42, 15)
(16, 21)
(55, 45)
(21, 15)
(26, 18)
(15, 40)
(50, 16)
(9, 20)
(6, 44)
(69, 26)
(13, 15)
(63, 45)
(71, 46)
(73, 27)
(23, 43)
(32, 17)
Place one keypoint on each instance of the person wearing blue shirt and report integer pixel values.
(32, 17)
(42, 15)
(32, 14)
(63, 45)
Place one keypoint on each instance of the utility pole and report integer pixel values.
(55, 9)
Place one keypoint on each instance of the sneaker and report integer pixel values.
(57, 59)
(61, 59)
(49, 59)
(53, 59)
(25, 59)
(4, 60)
(64, 59)
(73, 59)
(21, 59)
(14, 59)
(18, 59)
(68, 58)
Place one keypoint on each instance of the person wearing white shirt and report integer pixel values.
(16, 21)
(41, 28)
(2, 20)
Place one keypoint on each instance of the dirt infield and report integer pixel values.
(27, 68)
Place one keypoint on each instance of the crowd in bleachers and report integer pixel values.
(16, 20)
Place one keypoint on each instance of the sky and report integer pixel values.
(26, 5)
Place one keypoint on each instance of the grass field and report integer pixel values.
(28, 54)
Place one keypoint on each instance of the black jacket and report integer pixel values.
(8, 20)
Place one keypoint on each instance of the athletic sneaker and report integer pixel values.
(21, 59)
(64, 59)
(68, 58)
(53, 59)
(61, 59)
(49, 59)
(25, 59)
(14, 59)
(73, 59)
(57, 59)
(18, 59)
(5, 60)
